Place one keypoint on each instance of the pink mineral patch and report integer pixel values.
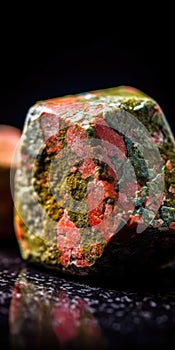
(75, 138)
(88, 168)
(172, 225)
(112, 138)
(68, 240)
(169, 165)
(157, 138)
(50, 124)
(171, 189)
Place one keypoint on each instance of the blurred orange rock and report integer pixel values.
(9, 137)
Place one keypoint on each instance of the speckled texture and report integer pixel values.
(113, 317)
(96, 171)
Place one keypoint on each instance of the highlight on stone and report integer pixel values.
(96, 181)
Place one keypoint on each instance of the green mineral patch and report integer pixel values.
(89, 237)
(31, 246)
(147, 113)
(51, 256)
(147, 215)
(122, 91)
(73, 186)
(49, 230)
(167, 215)
(41, 183)
(62, 136)
(79, 219)
(142, 194)
(137, 161)
(59, 170)
(102, 171)
(92, 252)
(168, 143)
(143, 110)
(77, 186)
(91, 132)
(58, 139)
(37, 246)
(38, 249)
(110, 200)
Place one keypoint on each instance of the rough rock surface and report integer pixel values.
(95, 190)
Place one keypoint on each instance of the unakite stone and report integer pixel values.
(96, 182)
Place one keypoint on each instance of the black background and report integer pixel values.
(60, 51)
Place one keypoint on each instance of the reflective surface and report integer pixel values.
(40, 309)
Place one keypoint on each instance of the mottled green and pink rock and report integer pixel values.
(96, 182)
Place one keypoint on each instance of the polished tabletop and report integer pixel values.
(42, 309)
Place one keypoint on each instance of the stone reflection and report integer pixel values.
(43, 316)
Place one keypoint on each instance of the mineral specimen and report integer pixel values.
(96, 183)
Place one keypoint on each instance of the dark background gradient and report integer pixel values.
(58, 53)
